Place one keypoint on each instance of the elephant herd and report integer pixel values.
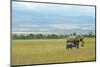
(74, 41)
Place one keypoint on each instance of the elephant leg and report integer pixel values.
(67, 46)
(77, 44)
(71, 47)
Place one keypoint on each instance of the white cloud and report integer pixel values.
(43, 29)
(57, 27)
(22, 29)
(88, 27)
(30, 6)
(64, 26)
(82, 10)
(25, 5)
(73, 26)
(29, 25)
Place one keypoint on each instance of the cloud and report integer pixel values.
(64, 26)
(29, 25)
(54, 27)
(72, 9)
(88, 27)
(73, 26)
(43, 29)
(30, 6)
(25, 5)
(23, 29)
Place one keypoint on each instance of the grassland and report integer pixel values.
(42, 51)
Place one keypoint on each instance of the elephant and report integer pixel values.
(70, 45)
(75, 40)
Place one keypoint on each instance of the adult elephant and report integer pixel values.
(76, 39)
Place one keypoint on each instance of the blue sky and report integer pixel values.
(39, 17)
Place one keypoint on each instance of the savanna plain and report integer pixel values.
(43, 51)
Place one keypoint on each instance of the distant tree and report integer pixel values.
(66, 36)
(54, 36)
(90, 34)
(14, 36)
(30, 36)
(38, 36)
(61, 36)
(74, 33)
(21, 37)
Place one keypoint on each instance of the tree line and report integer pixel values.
(38, 36)
(42, 36)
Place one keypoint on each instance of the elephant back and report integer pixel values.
(71, 38)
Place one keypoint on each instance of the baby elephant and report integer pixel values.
(70, 45)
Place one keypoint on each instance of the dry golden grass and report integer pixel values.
(42, 51)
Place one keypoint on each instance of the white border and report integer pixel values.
(5, 34)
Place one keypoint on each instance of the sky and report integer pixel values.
(56, 18)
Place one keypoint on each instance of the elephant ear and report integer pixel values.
(78, 37)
